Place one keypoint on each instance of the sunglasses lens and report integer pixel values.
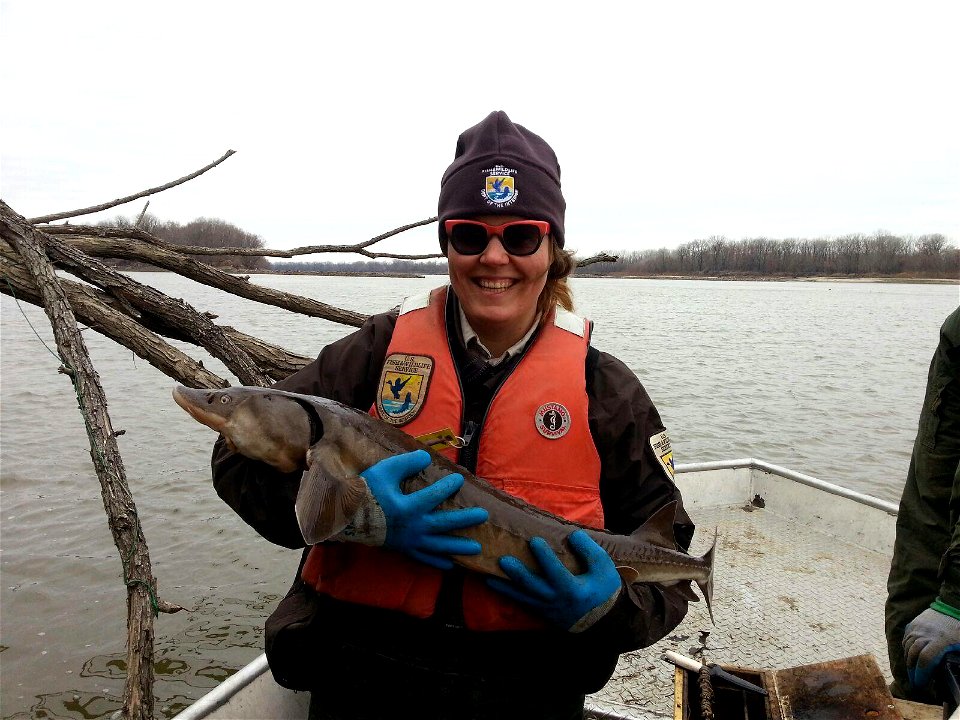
(468, 239)
(521, 238)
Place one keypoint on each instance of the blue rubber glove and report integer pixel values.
(927, 638)
(574, 602)
(413, 524)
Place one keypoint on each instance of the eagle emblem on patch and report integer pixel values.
(403, 387)
(500, 188)
(661, 448)
(553, 420)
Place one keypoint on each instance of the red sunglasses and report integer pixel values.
(470, 237)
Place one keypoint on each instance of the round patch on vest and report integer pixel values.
(553, 420)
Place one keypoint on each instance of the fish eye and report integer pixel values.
(224, 399)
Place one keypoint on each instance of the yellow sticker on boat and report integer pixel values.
(661, 448)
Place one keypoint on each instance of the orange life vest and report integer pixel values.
(535, 443)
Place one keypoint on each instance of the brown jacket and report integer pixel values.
(633, 486)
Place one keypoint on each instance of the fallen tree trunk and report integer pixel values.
(117, 501)
(93, 308)
(145, 299)
(114, 320)
(135, 233)
(137, 249)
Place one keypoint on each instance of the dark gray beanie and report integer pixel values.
(501, 168)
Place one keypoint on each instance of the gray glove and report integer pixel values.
(927, 638)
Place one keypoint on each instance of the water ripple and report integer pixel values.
(823, 378)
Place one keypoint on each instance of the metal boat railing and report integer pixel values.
(754, 464)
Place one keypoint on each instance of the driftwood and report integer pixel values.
(140, 317)
(128, 198)
(121, 511)
(148, 301)
(134, 233)
(97, 310)
(168, 259)
(87, 238)
(139, 333)
(598, 258)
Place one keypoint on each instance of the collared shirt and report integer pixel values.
(472, 340)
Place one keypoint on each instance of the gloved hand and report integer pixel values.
(413, 524)
(574, 602)
(927, 638)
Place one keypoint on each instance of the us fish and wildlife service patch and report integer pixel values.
(661, 448)
(500, 187)
(403, 387)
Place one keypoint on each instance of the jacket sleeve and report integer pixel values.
(633, 486)
(947, 450)
(348, 371)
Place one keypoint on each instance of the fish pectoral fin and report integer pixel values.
(658, 529)
(684, 589)
(330, 495)
(630, 575)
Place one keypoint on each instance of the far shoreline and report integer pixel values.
(783, 278)
(892, 279)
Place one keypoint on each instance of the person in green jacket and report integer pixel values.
(923, 590)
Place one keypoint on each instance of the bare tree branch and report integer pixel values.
(128, 198)
(91, 232)
(277, 362)
(598, 258)
(147, 300)
(137, 233)
(170, 260)
(97, 310)
(142, 213)
(397, 231)
(117, 501)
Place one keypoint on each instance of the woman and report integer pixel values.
(499, 361)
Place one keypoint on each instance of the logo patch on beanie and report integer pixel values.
(500, 188)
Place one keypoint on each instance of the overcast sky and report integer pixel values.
(672, 121)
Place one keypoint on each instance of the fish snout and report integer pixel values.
(202, 405)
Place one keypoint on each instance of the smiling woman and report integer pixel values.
(498, 289)
(498, 365)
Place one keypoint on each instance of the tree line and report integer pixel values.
(880, 254)
(201, 232)
(386, 267)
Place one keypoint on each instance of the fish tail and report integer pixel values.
(706, 586)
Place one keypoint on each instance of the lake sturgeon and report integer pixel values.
(274, 426)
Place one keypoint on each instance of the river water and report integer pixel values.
(826, 378)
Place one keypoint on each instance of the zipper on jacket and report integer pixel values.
(469, 430)
(467, 455)
(470, 451)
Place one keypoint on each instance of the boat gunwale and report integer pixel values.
(225, 691)
(755, 464)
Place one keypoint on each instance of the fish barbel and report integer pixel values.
(274, 426)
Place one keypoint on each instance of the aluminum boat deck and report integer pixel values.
(800, 580)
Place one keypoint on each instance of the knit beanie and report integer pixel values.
(500, 168)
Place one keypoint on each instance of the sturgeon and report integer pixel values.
(276, 427)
